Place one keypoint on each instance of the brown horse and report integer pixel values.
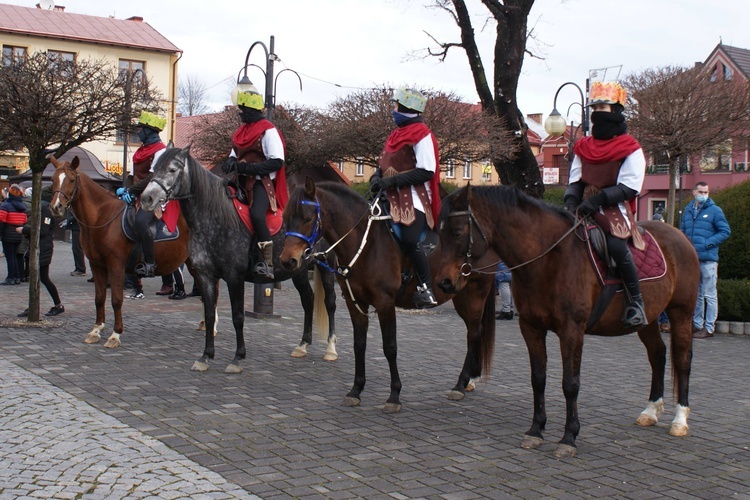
(371, 276)
(99, 215)
(555, 288)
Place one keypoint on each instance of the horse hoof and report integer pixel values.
(92, 339)
(330, 356)
(455, 395)
(300, 351)
(350, 401)
(471, 386)
(645, 420)
(202, 325)
(392, 408)
(198, 366)
(111, 343)
(678, 430)
(531, 442)
(565, 450)
(233, 368)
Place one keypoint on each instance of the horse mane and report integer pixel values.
(337, 189)
(207, 190)
(489, 197)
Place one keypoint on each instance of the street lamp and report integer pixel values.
(555, 124)
(128, 110)
(244, 83)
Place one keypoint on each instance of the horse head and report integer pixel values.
(64, 184)
(168, 178)
(302, 222)
(459, 232)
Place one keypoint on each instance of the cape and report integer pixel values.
(141, 154)
(246, 135)
(594, 150)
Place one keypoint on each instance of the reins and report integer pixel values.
(493, 267)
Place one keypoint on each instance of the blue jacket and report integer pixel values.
(502, 275)
(706, 227)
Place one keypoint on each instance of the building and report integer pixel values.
(130, 44)
(723, 166)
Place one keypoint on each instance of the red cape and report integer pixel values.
(605, 150)
(246, 135)
(142, 153)
(409, 136)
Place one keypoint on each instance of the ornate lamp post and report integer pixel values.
(244, 83)
(262, 293)
(555, 124)
(127, 126)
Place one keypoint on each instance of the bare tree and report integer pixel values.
(191, 97)
(680, 112)
(499, 100)
(47, 105)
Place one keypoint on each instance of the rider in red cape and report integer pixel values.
(607, 174)
(258, 159)
(144, 158)
(408, 173)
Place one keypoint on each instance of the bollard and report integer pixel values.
(262, 301)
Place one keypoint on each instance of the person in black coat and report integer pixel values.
(46, 247)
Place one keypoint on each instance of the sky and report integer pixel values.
(341, 46)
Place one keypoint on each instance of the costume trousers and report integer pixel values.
(258, 212)
(410, 238)
(707, 304)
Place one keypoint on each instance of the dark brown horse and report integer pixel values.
(555, 288)
(99, 214)
(373, 265)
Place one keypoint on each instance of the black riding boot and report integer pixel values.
(147, 268)
(423, 297)
(635, 314)
(264, 268)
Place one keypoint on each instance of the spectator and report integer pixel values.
(704, 224)
(502, 288)
(46, 247)
(12, 216)
(22, 253)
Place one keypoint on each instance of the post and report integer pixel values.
(262, 301)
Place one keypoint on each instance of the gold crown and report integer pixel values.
(250, 100)
(607, 92)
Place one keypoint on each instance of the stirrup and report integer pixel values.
(145, 270)
(263, 270)
(634, 315)
(424, 298)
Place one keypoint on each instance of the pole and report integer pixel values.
(126, 131)
(270, 98)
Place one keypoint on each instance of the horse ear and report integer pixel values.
(170, 144)
(54, 161)
(75, 163)
(310, 187)
(463, 197)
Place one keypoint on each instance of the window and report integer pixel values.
(126, 68)
(341, 166)
(120, 137)
(467, 169)
(486, 171)
(61, 61)
(360, 172)
(658, 206)
(450, 171)
(13, 55)
(718, 158)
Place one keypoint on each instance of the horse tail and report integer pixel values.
(320, 313)
(487, 343)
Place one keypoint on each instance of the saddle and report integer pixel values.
(166, 226)
(274, 220)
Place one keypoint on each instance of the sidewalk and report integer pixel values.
(82, 421)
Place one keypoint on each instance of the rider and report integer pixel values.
(144, 158)
(258, 158)
(607, 173)
(408, 173)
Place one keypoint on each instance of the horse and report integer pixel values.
(555, 288)
(99, 214)
(220, 249)
(373, 277)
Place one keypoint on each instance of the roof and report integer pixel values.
(740, 57)
(132, 33)
(89, 164)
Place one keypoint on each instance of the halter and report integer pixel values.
(69, 200)
(481, 270)
(168, 191)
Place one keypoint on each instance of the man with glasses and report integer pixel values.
(705, 225)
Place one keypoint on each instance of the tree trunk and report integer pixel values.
(37, 168)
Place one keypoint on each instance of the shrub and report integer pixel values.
(734, 258)
(734, 300)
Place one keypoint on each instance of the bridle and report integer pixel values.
(472, 222)
(69, 201)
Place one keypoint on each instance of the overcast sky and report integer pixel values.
(340, 45)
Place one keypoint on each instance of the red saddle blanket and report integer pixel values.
(273, 219)
(170, 214)
(649, 261)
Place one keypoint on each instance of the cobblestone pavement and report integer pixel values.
(82, 421)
